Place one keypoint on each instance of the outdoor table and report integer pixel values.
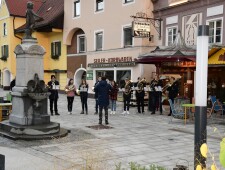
(5, 106)
(187, 106)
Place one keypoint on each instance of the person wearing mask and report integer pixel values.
(126, 96)
(173, 91)
(83, 88)
(96, 96)
(53, 86)
(70, 90)
(103, 89)
(113, 97)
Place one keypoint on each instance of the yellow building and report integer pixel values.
(48, 33)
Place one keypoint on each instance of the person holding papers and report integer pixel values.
(83, 88)
(53, 86)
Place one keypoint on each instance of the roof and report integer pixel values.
(18, 7)
(52, 14)
(51, 11)
(177, 52)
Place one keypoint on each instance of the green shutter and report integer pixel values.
(6, 51)
(52, 48)
(59, 48)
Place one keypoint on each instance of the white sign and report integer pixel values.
(141, 29)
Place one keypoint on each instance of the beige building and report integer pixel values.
(98, 35)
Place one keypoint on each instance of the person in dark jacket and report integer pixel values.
(83, 88)
(140, 94)
(96, 96)
(53, 86)
(113, 97)
(173, 91)
(103, 89)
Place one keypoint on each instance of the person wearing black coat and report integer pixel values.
(103, 89)
(96, 96)
(173, 91)
(83, 88)
(53, 86)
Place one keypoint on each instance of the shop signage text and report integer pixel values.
(113, 60)
(180, 64)
(105, 65)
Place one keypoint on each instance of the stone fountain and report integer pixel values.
(29, 119)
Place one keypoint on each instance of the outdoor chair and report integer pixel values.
(176, 113)
(217, 107)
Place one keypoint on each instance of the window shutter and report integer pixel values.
(6, 51)
(59, 48)
(52, 49)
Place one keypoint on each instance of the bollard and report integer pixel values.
(2, 162)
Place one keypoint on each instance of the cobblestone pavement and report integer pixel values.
(142, 138)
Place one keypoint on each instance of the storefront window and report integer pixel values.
(121, 75)
(109, 74)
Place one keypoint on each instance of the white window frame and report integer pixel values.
(122, 37)
(78, 43)
(57, 53)
(213, 20)
(96, 32)
(73, 6)
(167, 34)
(127, 3)
(95, 7)
(4, 29)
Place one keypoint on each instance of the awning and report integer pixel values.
(177, 52)
(217, 58)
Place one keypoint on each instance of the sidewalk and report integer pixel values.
(145, 139)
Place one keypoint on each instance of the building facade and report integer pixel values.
(98, 35)
(48, 33)
(185, 16)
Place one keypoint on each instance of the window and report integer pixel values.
(128, 40)
(55, 50)
(99, 5)
(5, 52)
(81, 43)
(76, 8)
(171, 35)
(4, 29)
(128, 1)
(98, 38)
(215, 31)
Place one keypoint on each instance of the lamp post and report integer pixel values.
(201, 93)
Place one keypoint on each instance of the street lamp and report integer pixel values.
(201, 93)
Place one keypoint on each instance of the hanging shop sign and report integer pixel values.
(89, 75)
(141, 29)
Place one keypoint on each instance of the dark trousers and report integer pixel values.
(96, 105)
(100, 113)
(140, 103)
(84, 102)
(172, 99)
(126, 103)
(154, 99)
(70, 103)
(55, 105)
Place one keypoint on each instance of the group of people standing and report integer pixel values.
(106, 93)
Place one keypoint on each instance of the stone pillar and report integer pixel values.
(29, 60)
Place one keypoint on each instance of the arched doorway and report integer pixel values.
(79, 75)
(6, 79)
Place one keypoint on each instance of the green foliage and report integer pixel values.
(136, 166)
(222, 152)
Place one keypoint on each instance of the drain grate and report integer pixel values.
(99, 127)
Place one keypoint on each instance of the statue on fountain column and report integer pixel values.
(31, 19)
